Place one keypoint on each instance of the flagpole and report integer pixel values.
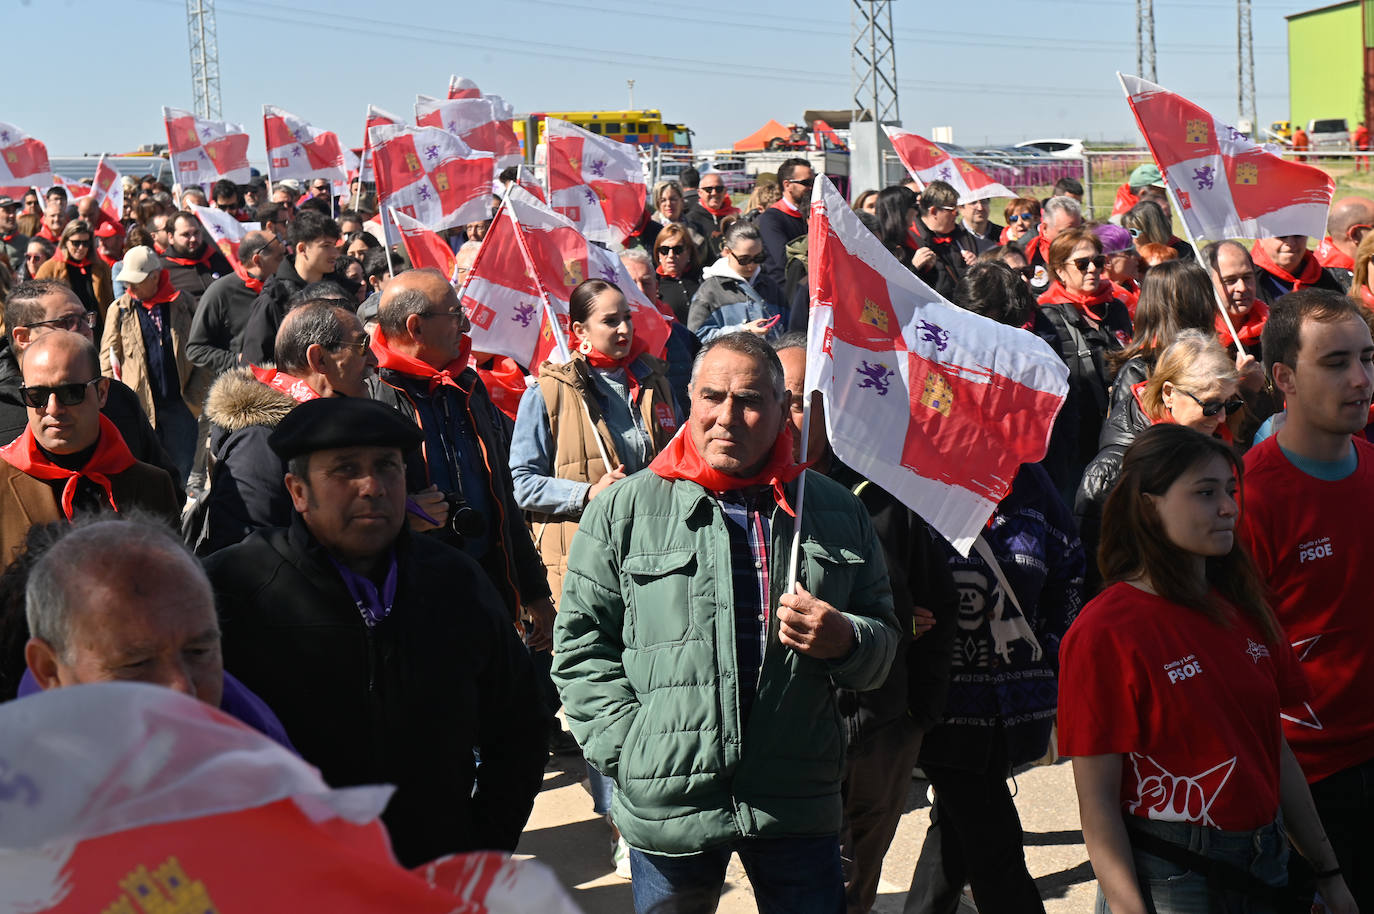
(268, 143)
(362, 167)
(1197, 252)
(386, 242)
(801, 500)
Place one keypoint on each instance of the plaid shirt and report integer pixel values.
(747, 520)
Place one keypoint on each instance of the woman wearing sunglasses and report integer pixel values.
(1194, 383)
(736, 294)
(675, 261)
(76, 265)
(1170, 687)
(1022, 216)
(1080, 316)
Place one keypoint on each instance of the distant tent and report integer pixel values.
(759, 138)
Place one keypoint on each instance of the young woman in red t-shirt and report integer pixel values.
(1170, 684)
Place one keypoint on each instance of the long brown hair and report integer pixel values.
(1134, 543)
(1174, 296)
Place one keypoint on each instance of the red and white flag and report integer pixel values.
(297, 150)
(75, 189)
(376, 117)
(937, 405)
(595, 182)
(431, 176)
(109, 191)
(204, 151)
(482, 123)
(224, 230)
(1226, 186)
(525, 177)
(23, 162)
(530, 261)
(927, 162)
(462, 87)
(424, 248)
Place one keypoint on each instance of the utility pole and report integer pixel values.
(200, 28)
(873, 64)
(1245, 66)
(1145, 40)
(631, 84)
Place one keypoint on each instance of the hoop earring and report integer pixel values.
(584, 347)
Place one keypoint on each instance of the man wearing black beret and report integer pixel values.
(388, 657)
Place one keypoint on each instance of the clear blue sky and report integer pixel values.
(1007, 70)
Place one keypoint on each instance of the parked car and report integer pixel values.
(1328, 133)
(731, 171)
(1061, 148)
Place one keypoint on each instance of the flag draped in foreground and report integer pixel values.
(482, 123)
(23, 162)
(204, 151)
(937, 405)
(431, 176)
(124, 798)
(424, 248)
(927, 162)
(1226, 185)
(297, 150)
(595, 182)
(531, 254)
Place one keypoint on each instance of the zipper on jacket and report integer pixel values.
(371, 659)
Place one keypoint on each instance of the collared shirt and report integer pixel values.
(747, 520)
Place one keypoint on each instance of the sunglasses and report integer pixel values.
(1081, 263)
(1022, 217)
(70, 322)
(67, 394)
(945, 209)
(746, 260)
(359, 346)
(79, 242)
(1212, 407)
(671, 248)
(807, 183)
(714, 189)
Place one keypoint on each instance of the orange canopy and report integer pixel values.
(759, 138)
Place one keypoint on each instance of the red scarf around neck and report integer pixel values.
(1249, 332)
(1057, 294)
(82, 266)
(505, 384)
(1328, 255)
(413, 367)
(662, 272)
(202, 260)
(111, 456)
(165, 292)
(1367, 297)
(1311, 269)
(729, 209)
(681, 460)
(293, 387)
(788, 207)
(108, 261)
(254, 285)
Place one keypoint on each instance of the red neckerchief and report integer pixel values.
(293, 387)
(1035, 246)
(165, 292)
(1311, 269)
(1056, 294)
(82, 266)
(505, 383)
(254, 285)
(1367, 297)
(1249, 332)
(1128, 294)
(413, 367)
(729, 209)
(681, 460)
(45, 232)
(788, 207)
(111, 456)
(662, 272)
(108, 261)
(202, 260)
(1328, 255)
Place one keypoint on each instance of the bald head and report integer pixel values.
(1349, 219)
(69, 351)
(62, 372)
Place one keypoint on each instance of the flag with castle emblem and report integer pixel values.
(23, 162)
(462, 87)
(927, 162)
(203, 151)
(529, 263)
(482, 123)
(224, 230)
(297, 150)
(937, 405)
(108, 190)
(1226, 185)
(424, 248)
(431, 176)
(596, 183)
(376, 117)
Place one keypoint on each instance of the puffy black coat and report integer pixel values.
(1125, 422)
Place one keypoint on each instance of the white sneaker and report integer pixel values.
(620, 854)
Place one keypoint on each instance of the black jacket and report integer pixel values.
(513, 564)
(677, 292)
(1125, 422)
(777, 228)
(915, 687)
(121, 408)
(195, 278)
(217, 330)
(944, 274)
(258, 344)
(406, 702)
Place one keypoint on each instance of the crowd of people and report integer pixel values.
(401, 558)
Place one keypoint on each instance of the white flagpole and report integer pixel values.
(362, 168)
(801, 500)
(386, 242)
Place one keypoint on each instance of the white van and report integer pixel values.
(1328, 133)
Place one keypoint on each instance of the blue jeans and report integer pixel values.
(1172, 889)
(602, 788)
(789, 876)
(176, 429)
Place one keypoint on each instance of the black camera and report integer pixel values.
(464, 521)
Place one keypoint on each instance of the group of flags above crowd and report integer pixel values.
(938, 405)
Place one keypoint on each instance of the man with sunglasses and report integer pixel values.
(712, 205)
(785, 221)
(224, 309)
(1348, 222)
(70, 458)
(36, 308)
(943, 249)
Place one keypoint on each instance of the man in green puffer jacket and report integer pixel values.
(692, 679)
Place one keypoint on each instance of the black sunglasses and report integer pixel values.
(746, 260)
(1023, 217)
(807, 183)
(671, 248)
(1081, 263)
(69, 322)
(67, 394)
(1212, 407)
(714, 189)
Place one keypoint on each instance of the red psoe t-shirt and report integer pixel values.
(1192, 706)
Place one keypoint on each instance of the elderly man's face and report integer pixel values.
(56, 217)
(54, 374)
(1059, 221)
(794, 376)
(736, 414)
(158, 629)
(643, 276)
(353, 499)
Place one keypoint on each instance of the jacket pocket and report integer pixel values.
(657, 589)
(831, 572)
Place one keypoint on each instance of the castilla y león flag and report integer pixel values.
(482, 123)
(937, 405)
(462, 87)
(108, 190)
(595, 182)
(424, 248)
(298, 150)
(376, 117)
(23, 162)
(927, 162)
(204, 151)
(431, 175)
(1226, 185)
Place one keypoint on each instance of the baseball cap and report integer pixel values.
(109, 229)
(8, 203)
(138, 264)
(1146, 176)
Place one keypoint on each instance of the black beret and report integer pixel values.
(333, 422)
